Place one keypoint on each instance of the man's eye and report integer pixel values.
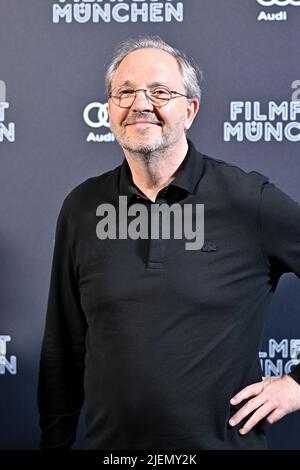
(160, 93)
(125, 92)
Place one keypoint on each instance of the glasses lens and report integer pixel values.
(159, 95)
(123, 97)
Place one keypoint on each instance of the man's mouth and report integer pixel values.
(156, 123)
(142, 120)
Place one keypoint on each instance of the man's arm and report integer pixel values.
(60, 389)
(274, 397)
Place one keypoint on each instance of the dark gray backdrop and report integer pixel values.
(52, 72)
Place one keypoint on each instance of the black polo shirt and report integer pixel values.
(155, 337)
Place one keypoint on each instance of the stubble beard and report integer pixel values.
(157, 149)
(153, 150)
(149, 152)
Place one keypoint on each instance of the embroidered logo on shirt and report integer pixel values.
(209, 247)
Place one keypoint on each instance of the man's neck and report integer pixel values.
(152, 174)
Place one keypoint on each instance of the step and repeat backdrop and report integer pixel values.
(54, 133)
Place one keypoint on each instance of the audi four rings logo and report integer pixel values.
(279, 3)
(96, 115)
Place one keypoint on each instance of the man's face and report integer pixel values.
(144, 128)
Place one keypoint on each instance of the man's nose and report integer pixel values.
(141, 102)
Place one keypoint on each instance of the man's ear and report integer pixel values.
(191, 111)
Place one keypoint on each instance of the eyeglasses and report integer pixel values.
(159, 95)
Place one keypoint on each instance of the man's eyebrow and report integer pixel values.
(132, 84)
(126, 83)
(159, 84)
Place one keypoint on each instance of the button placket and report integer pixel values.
(157, 247)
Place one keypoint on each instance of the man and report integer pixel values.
(160, 340)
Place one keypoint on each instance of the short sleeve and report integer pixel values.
(280, 225)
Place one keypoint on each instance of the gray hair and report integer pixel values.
(191, 74)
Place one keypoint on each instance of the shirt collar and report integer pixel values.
(188, 176)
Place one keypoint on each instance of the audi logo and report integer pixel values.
(96, 114)
(279, 3)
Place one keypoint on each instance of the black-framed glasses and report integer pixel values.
(158, 95)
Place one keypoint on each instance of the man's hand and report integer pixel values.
(273, 398)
